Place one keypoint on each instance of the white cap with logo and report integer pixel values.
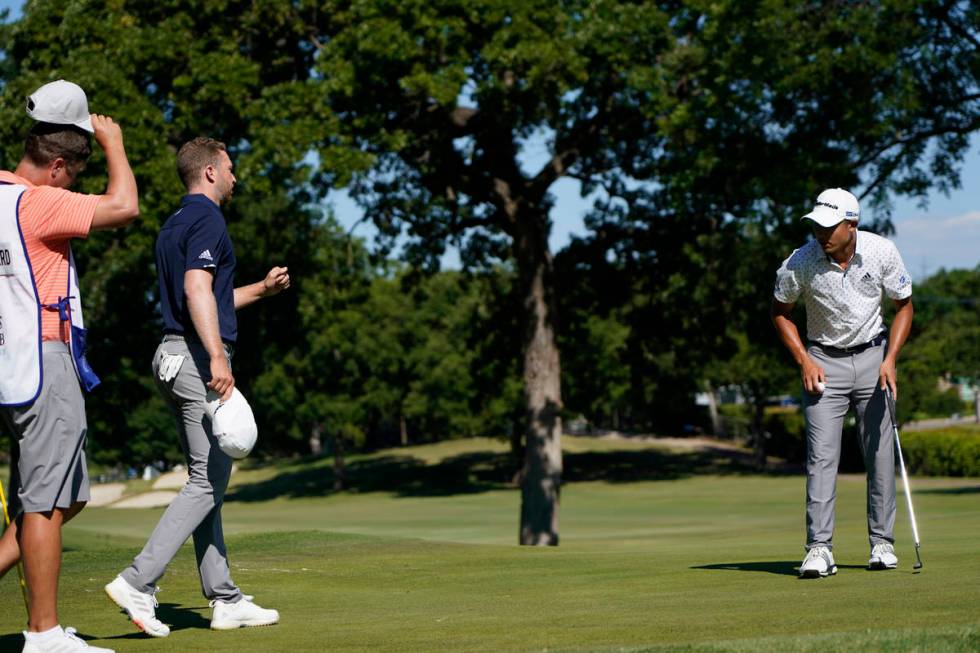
(232, 423)
(834, 205)
(60, 103)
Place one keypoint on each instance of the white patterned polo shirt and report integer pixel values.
(843, 306)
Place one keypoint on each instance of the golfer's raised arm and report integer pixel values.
(275, 282)
(120, 203)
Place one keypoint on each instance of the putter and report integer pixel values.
(20, 570)
(890, 400)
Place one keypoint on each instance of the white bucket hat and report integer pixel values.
(60, 103)
(232, 423)
(834, 205)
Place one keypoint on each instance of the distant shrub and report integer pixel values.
(786, 428)
(948, 452)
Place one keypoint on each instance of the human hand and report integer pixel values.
(106, 130)
(276, 281)
(888, 377)
(814, 379)
(222, 380)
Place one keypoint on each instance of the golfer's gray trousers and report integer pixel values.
(196, 510)
(852, 382)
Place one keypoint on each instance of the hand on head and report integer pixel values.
(106, 129)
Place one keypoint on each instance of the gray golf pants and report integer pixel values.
(196, 510)
(852, 381)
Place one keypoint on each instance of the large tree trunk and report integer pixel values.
(541, 483)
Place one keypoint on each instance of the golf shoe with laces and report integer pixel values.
(243, 614)
(882, 557)
(139, 605)
(64, 642)
(818, 563)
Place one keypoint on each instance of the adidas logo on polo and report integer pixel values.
(206, 255)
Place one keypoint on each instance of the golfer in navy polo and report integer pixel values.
(196, 268)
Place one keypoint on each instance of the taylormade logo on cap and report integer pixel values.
(833, 206)
(60, 103)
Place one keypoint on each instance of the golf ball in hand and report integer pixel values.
(820, 386)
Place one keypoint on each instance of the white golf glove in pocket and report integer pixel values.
(169, 366)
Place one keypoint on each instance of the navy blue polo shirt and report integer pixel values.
(196, 238)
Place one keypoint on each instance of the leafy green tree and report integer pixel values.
(945, 342)
(166, 72)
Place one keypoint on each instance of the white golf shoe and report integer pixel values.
(819, 562)
(139, 605)
(64, 642)
(243, 614)
(883, 557)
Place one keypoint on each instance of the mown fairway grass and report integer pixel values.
(686, 563)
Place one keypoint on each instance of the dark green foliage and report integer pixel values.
(706, 127)
(950, 452)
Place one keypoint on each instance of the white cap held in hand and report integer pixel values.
(232, 423)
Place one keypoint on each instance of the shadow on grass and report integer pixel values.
(973, 489)
(484, 471)
(781, 567)
(178, 618)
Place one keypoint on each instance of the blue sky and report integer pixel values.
(946, 234)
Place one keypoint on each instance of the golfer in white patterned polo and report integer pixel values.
(841, 276)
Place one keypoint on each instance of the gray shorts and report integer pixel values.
(48, 468)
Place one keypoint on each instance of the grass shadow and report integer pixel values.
(476, 472)
(972, 489)
(180, 618)
(778, 567)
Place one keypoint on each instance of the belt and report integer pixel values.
(854, 349)
(170, 337)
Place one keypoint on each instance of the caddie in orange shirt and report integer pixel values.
(42, 364)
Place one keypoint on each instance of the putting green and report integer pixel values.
(691, 563)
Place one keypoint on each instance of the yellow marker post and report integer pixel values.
(20, 570)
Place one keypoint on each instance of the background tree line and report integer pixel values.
(706, 128)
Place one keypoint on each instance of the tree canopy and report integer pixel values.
(705, 128)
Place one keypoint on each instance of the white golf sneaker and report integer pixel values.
(64, 642)
(883, 557)
(819, 562)
(139, 605)
(243, 614)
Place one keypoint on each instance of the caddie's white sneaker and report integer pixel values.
(819, 562)
(883, 557)
(139, 605)
(64, 642)
(243, 614)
